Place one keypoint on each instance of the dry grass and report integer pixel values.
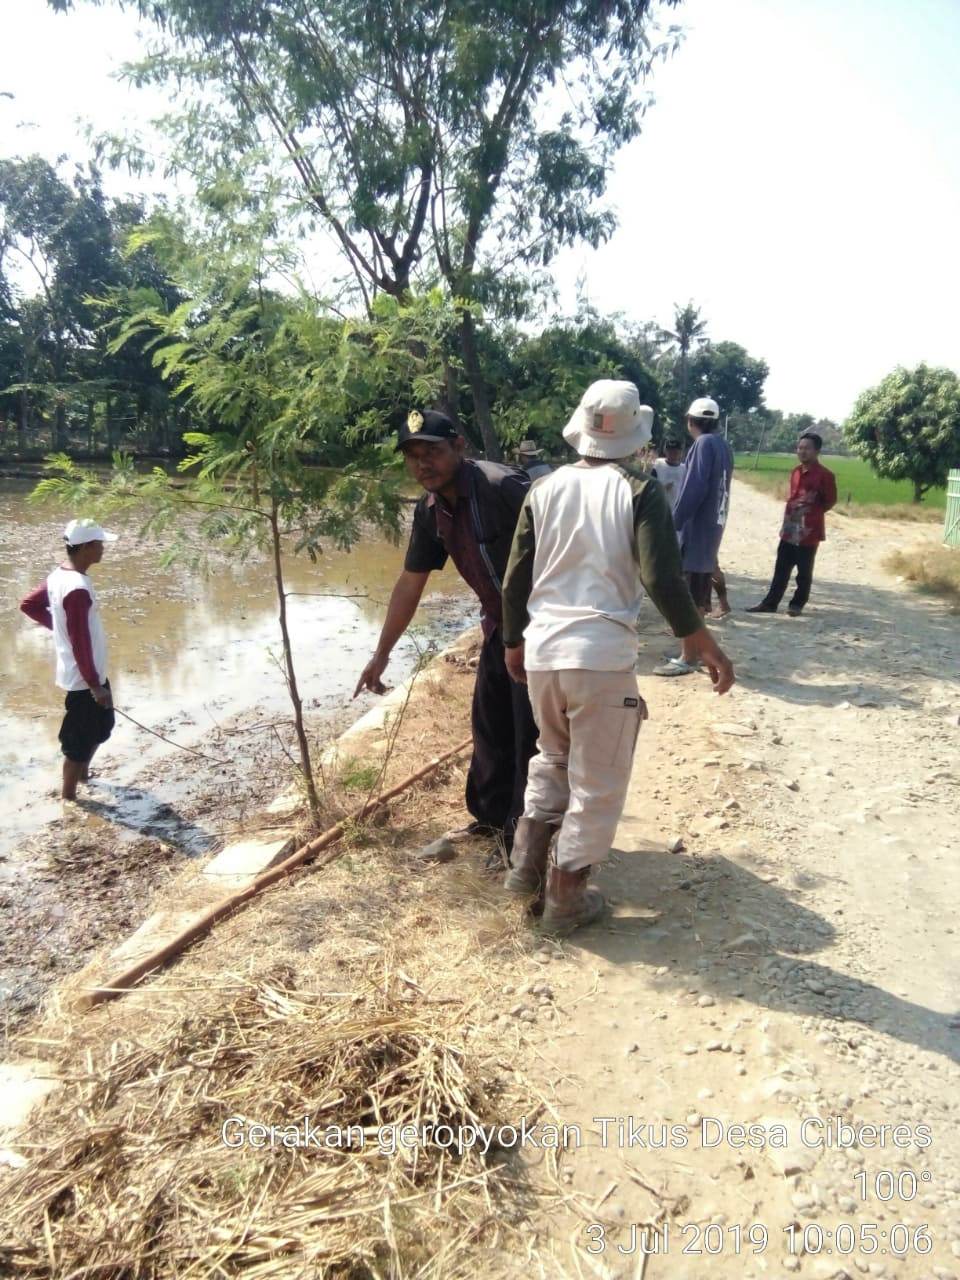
(363, 994)
(932, 568)
(135, 1182)
(907, 512)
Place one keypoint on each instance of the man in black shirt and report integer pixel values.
(469, 512)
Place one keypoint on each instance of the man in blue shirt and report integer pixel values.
(700, 510)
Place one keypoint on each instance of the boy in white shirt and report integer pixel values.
(669, 469)
(67, 605)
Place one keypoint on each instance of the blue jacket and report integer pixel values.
(700, 509)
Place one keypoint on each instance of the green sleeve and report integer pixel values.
(518, 580)
(658, 555)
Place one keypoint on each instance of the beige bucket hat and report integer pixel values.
(610, 421)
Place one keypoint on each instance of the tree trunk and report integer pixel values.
(23, 422)
(918, 491)
(451, 392)
(60, 426)
(306, 767)
(684, 385)
(111, 426)
(478, 387)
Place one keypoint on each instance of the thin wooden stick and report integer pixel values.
(147, 729)
(226, 906)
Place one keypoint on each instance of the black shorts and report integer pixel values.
(85, 725)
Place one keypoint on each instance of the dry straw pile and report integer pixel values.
(137, 1183)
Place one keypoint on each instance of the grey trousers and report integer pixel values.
(588, 721)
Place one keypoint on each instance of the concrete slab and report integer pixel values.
(287, 804)
(153, 933)
(246, 859)
(23, 1086)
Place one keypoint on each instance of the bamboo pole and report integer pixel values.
(123, 981)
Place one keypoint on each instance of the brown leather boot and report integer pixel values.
(528, 858)
(570, 902)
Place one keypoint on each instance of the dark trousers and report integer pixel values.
(790, 557)
(504, 739)
(699, 584)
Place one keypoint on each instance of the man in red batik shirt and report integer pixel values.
(66, 604)
(813, 491)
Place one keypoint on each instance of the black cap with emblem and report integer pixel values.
(427, 425)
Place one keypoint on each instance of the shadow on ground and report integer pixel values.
(741, 935)
(138, 810)
(856, 643)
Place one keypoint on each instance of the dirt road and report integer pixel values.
(797, 961)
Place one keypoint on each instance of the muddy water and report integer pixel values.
(188, 650)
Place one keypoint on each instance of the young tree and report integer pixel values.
(469, 138)
(908, 427)
(271, 381)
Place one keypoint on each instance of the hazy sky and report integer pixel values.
(798, 177)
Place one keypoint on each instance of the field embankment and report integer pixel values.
(860, 492)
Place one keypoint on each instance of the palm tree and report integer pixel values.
(688, 329)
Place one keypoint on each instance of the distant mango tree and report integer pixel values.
(908, 427)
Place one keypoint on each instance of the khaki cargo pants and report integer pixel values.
(588, 722)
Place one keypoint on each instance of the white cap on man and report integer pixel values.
(78, 532)
(704, 408)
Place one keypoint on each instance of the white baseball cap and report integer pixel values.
(704, 408)
(610, 421)
(78, 532)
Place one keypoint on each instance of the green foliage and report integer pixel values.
(271, 382)
(908, 427)
(688, 332)
(775, 432)
(687, 364)
(540, 379)
(423, 122)
(274, 386)
(59, 247)
(726, 372)
(426, 138)
(357, 776)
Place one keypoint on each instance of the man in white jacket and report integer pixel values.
(66, 604)
(589, 537)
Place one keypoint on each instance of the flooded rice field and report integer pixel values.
(196, 657)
